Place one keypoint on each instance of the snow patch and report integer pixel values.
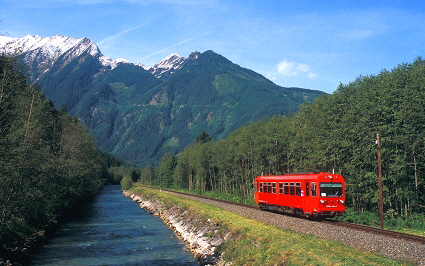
(49, 49)
(169, 64)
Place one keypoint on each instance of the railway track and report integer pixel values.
(368, 229)
(379, 231)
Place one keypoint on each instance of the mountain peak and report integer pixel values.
(210, 56)
(55, 44)
(194, 55)
(170, 61)
(205, 91)
(167, 66)
(51, 48)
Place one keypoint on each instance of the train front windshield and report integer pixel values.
(333, 189)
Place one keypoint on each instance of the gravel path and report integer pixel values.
(387, 246)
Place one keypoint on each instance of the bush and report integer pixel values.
(126, 183)
(414, 221)
(365, 218)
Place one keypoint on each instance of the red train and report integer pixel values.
(312, 195)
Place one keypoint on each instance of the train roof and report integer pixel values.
(300, 176)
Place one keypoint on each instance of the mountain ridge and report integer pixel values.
(138, 113)
(51, 48)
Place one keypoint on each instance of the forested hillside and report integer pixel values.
(335, 132)
(138, 113)
(138, 117)
(48, 161)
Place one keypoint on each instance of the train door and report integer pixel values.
(307, 199)
(258, 190)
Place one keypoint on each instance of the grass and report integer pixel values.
(248, 199)
(412, 232)
(256, 243)
(414, 224)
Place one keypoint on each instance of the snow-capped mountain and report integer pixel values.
(49, 49)
(171, 64)
(168, 65)
(138, 112)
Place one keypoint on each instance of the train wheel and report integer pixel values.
(299, 212)
(314, 217)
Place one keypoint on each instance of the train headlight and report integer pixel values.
(322, 201)
(342, 201)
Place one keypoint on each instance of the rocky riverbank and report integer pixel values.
(203, 237)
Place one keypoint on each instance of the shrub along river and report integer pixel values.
(114, 231)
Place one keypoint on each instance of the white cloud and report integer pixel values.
(312, 75)
(290, 69)
(303, 67)
(286, 68)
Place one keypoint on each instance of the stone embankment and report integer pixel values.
(203, 237)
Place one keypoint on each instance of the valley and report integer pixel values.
(139, 113)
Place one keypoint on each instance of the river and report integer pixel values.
(114, 231)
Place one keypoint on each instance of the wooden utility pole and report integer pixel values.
(381, 203)
(243, 181)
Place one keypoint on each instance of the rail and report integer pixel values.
(369, 229)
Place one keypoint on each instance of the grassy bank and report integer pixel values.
(413, 224)
(256, 243)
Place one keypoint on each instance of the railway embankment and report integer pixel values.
(203, 237)
(220, 233)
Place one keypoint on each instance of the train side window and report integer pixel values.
(307, 188)
(269, 187)
(280, 187)
(313, 188)
(298, 189)
(292, 188)
(286, 188)
(274, 187)
(261, 186)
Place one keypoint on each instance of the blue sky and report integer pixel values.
(315, 44)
